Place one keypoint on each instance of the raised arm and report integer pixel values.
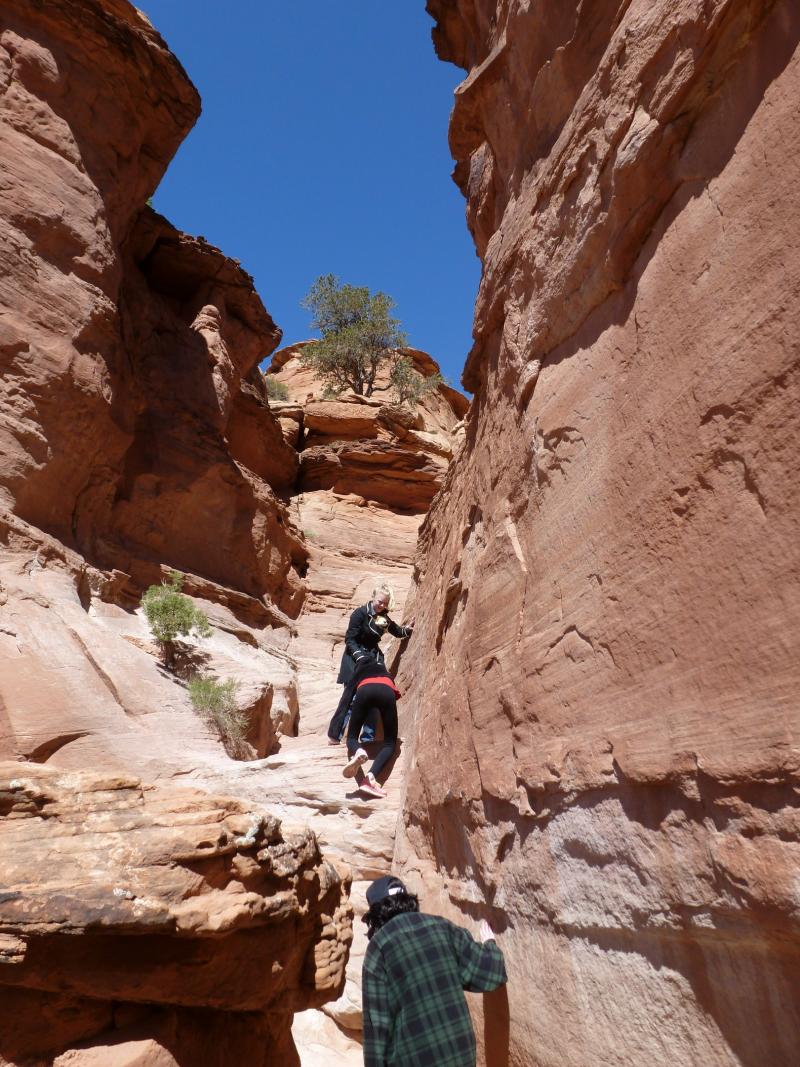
(482, 967)
(400, 631)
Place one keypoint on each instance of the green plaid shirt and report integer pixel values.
(415, 1012)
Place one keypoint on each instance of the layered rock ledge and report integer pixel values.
(116, 894)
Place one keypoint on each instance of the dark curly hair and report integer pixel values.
(384, 910)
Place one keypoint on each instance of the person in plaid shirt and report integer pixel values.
(415, 972)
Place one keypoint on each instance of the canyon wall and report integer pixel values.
(161, 902)
(605, 669)
(139, 921)
(136, 432)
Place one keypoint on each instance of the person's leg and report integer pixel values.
(358, 714)
(336, 726)
(388, 711)
(369, 727)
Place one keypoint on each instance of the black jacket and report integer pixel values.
(363, 638)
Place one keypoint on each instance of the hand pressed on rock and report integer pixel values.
(485, 932)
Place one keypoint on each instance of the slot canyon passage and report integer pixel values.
(599, 718)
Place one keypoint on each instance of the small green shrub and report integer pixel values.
(170, 615)
(276, 390)
(216, 703)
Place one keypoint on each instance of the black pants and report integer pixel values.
(374, 696)
(336, 725)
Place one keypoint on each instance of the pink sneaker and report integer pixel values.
(374, 787)
(371, 787)
(358, 758)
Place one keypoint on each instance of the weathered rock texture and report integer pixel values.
(605, 671)
(136, 433)
(135, 436)
(368, 446)
(112, 893)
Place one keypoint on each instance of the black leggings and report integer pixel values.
(382, 699)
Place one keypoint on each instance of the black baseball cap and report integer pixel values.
(384, 887)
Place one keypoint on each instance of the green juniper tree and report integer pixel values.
(360, 338)
(170, 615)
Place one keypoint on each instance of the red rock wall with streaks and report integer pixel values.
(135, 436)
(135, 423)
(606, 661)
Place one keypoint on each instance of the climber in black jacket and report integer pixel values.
(363, 637)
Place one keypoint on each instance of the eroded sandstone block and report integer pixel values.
(117, 893)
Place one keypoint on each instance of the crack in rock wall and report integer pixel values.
(359, 504)
(606, 755)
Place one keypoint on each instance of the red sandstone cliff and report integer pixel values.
(606, 666)
(137, 922)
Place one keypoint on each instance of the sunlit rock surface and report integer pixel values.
(136, 433)
(142, 924)
(605, 674)
(116, 894)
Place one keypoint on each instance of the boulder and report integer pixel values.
(119, 892)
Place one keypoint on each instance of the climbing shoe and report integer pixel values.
(358, 758)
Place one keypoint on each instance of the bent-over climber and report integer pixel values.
(415, 972)
(362, 640)
(376, 693)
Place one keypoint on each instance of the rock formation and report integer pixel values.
(136, 430)
(118, 897)
(600, 699)
(605, 670)
(143, 922)
(369, 447)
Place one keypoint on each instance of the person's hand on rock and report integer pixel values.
(485, 932)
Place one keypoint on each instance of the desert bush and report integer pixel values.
(216, 703)
(170, 615)
(276, 390)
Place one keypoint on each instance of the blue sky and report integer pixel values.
(322, 147)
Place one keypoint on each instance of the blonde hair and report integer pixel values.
(386, 589)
